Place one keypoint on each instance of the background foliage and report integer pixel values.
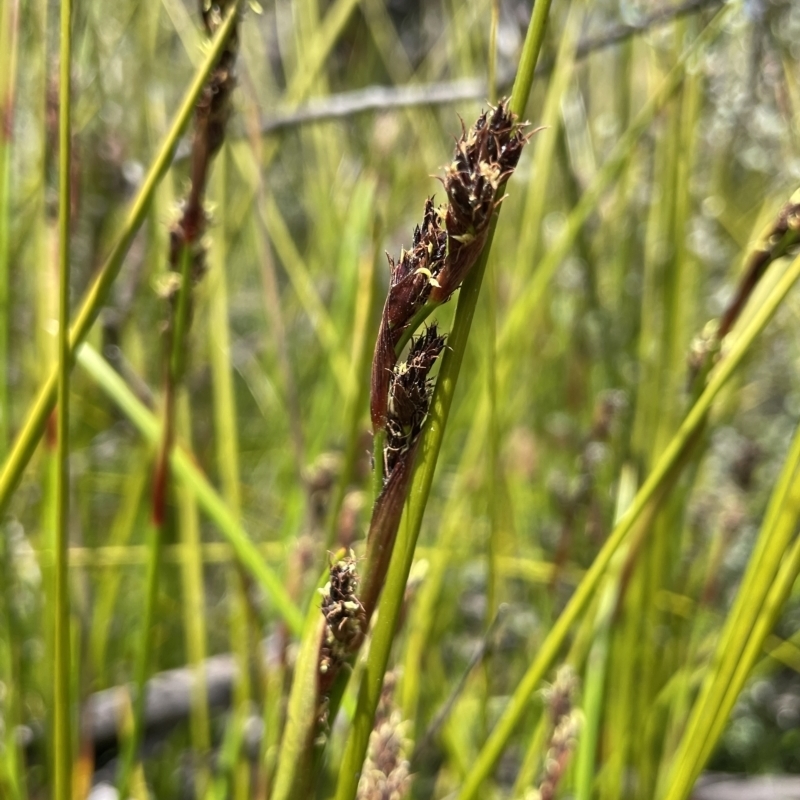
(574, 381)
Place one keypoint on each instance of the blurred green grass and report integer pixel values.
(591, 369)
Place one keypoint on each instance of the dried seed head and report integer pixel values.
(345, 620)
(566, 722)
(412, 278)
(485, 157)
(386, 775)
(409, 397)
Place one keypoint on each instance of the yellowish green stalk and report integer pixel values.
(594, 690)
(143, 660)
(760, 597)
(544, 144)
(661, 473)
(303, 283)
(226, 436)
(522, 310)
(176, 339)
(9, 39)
(359, 358)
(194, 605)
(107, 594)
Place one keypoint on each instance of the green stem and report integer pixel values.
(414, 324)
(394, 589)
(34, 425)
(692, 424)
(9, 30)
(62, 747)
(143, 656)
(759, 599)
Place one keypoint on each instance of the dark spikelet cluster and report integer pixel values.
(409, 396)
(186, 247)
(445, 246)
(449, 241)
(780, 238)
(345, 620)
(485, 157)
(412, 278)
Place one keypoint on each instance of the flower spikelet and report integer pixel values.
(485, 157)
(386, 774)
(409, 397)
(411, 280)
(345, 621)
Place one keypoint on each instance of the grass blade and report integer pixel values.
(187, 471)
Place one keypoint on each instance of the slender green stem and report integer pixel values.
(664, 468)
(156, 532)
(9, 38)
(394, 589)
(184, 465)
(492, 71)
(518, 318)
(62, 748)
(143, 656)
(34, 425)
(745, 630)
(232, 767)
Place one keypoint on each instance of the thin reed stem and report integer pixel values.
(62, 746)
(760, 598)
(9, 40)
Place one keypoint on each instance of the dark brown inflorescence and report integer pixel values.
(412, 278)
(210, 119)
(485, 157)
(449, 241)
(409, 396)
(345, 620)
(186, 247)
(445, 247)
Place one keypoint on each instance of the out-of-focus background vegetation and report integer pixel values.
(575, 376)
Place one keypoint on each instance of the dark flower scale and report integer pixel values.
(412, 278)
(449, 241)
(409, 396)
